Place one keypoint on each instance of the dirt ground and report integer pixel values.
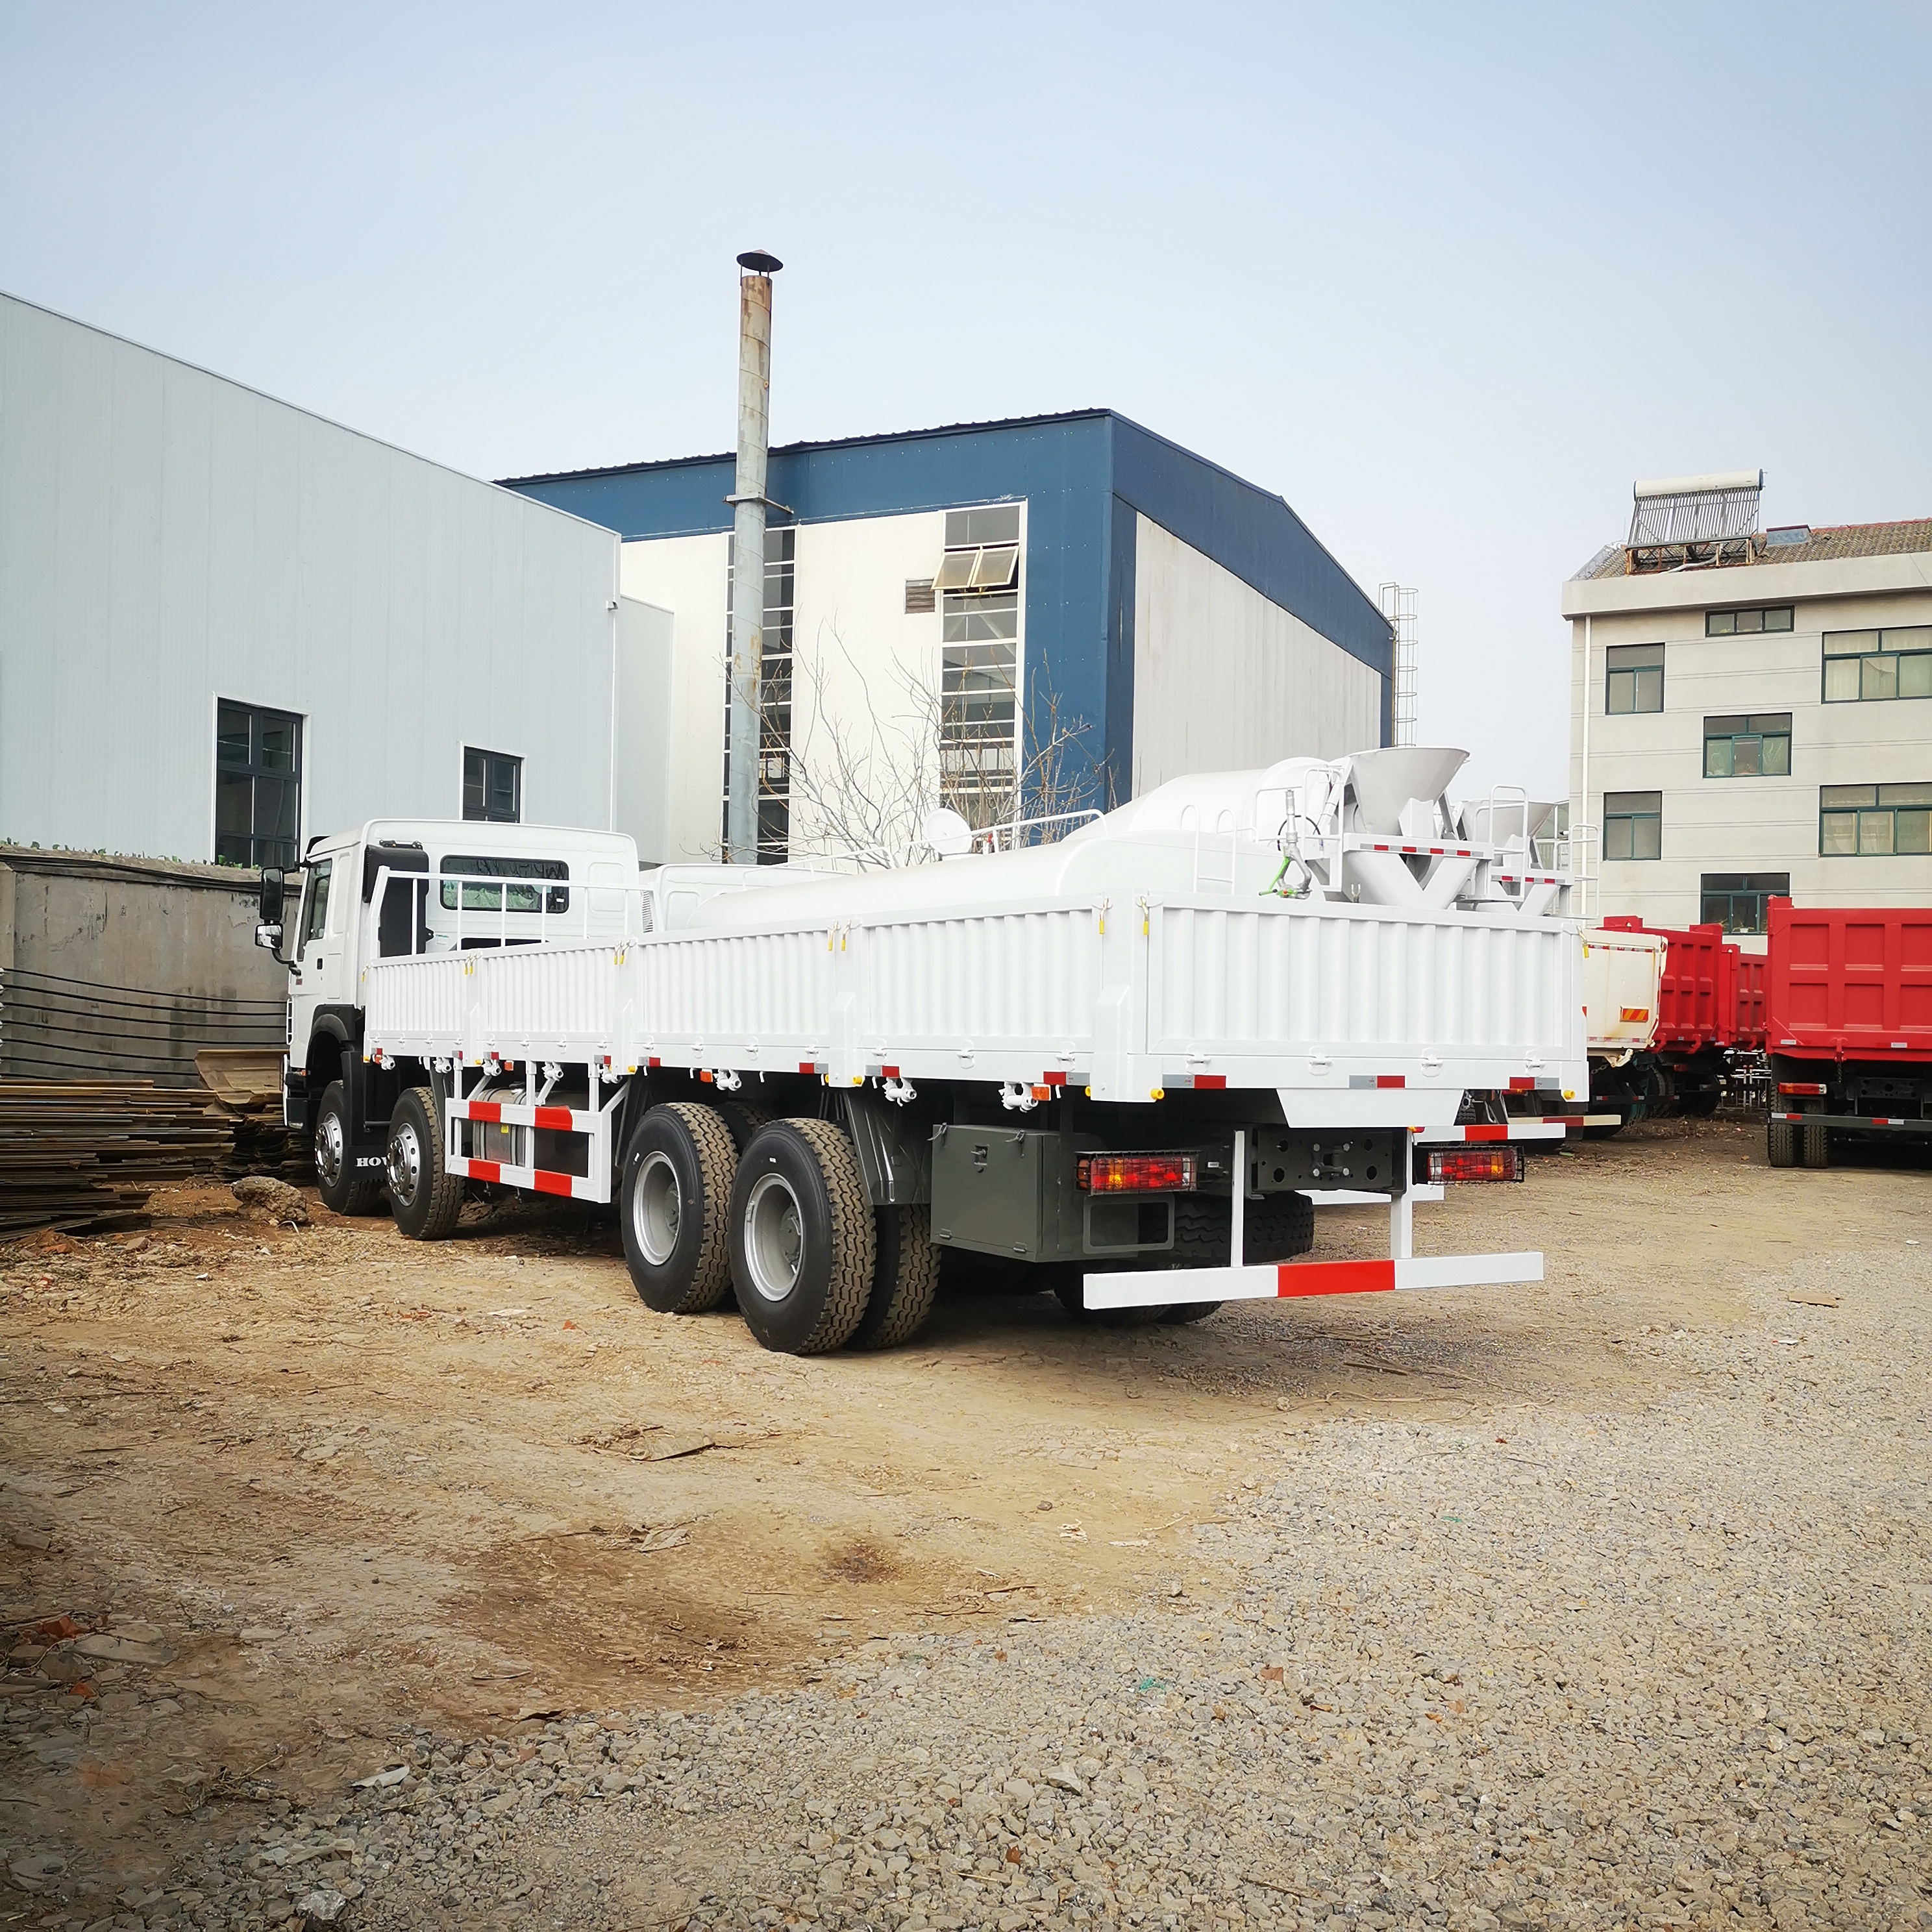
(297, 1487)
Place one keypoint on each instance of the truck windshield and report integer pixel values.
(469, 873)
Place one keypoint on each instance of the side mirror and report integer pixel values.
(269, 939)
(273, 893)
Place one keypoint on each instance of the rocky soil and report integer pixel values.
(1602, 1606)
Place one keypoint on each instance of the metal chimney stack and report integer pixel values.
(748, 553)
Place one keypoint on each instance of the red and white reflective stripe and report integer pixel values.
(1485, 1130)
(516, 1114)
(537, 1180)
(1154, 1288)
(1180, 1082)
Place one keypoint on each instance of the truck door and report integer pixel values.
(308, 982)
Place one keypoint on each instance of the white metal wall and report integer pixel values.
(1224, 679)
(168, 538)
(858, 658)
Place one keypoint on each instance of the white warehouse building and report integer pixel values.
(227, 624)
(1751, 709)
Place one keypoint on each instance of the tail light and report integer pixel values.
(1136, 1173)
(1475, 1163)
(1801, 1086)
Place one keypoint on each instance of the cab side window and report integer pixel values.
(315, 909)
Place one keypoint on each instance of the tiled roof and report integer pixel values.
(1822, 546)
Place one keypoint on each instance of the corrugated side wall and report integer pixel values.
(168, 538)
(1225, 679)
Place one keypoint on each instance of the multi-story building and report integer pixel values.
(1751, 710)
(1014, 618)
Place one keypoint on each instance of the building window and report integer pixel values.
(1634, 678)
(1736, 901)
(492, 787)
(1633, 825)
(257, 786)
(1758, 746)
(1861, 666)
(774, 702)
(1747, 623)
(983, 549)
(920, 601)
(978, 711)
(1874, 820)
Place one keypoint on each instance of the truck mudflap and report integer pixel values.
(595, 1122)
(1152, 1288)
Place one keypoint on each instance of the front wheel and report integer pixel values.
(346, 1189)
(803, 1241)
(424, 1197)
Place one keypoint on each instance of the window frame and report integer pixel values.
(1631, 818)
(1761, 735)
(262, 848)
(1634, 671)
(1884, 815)
(1731, 887)
(1896, 657)
(487, 816)
(1714, 627)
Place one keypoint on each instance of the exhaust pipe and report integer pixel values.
(748, 553)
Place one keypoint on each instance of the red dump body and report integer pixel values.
(1850, 983)
(1697, 1001)
(1750, 971)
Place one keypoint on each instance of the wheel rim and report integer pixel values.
(405, 1161)
(774, 1237)
(657, 1208)
(330, 1149)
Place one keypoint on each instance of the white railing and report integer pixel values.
(435, 926)
(1005, 837)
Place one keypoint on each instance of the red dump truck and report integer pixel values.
(1709, 1005)
(1848, 1022)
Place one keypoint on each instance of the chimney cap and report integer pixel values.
(759, 262)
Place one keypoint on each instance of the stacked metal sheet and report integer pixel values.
(86, 1154)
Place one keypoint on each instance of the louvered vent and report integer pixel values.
(919, 596)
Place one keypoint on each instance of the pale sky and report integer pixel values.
(1449, 279)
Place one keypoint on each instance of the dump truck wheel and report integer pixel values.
(674, 1197)
(905, 1277)
(1817, 1145)
(802, 1239)
(1276, 1228)
(743, 1118)
(424, 1196)
(346, 1189)
(1780, 1144)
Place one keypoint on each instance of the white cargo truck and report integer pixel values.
(1123, 1059)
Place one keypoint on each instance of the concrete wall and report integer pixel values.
(1749, 824)
(129, 967)
(1225, 679)
(168, 538)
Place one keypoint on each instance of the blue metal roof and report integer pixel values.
(1249, 532)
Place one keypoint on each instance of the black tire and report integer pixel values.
(1780, 1144)
(1184, 1312)
(803, 1241)
(424, 1196)
(345, 1188)
(1276, 1228)
(1816, 1145)
(905, 1277)
(673, 1203)
(743, 1118)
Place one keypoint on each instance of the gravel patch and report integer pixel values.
(1540, 1667)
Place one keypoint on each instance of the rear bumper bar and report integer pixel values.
(1858, 1123)
(1290, 1280)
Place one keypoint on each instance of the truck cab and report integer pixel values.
(397, 886)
